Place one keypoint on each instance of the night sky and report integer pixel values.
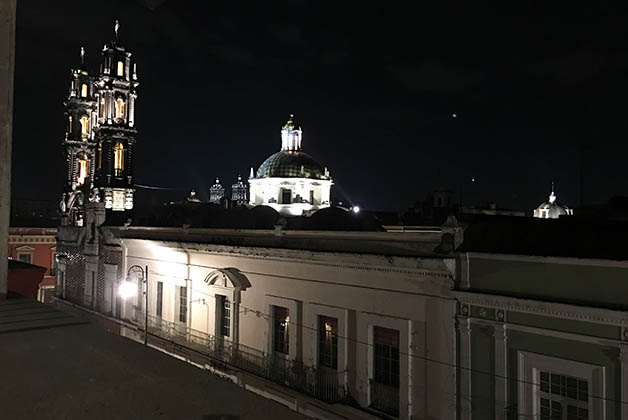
(373, 87)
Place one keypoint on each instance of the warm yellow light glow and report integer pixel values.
(102, 107)
(120, 68)
(84, 126)
(69, 124)
(119, 108)
(99, 155)
(328, 327)
(118, 158)
(84, 90)
(82, 170)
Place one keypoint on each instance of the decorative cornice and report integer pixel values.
(559, 310)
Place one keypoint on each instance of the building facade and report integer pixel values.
(100, 135)
(37, 246)
(342, 323)
(444, 323)
(290, 181)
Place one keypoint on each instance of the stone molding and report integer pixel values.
(559, 310)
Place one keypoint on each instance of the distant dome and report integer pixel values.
(551, 209)
(291, 164)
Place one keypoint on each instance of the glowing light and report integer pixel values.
(453, 115)
(127, 290)
(356, 209)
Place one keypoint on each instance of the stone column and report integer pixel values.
(7, 55)
(464, 330)
(501, 372)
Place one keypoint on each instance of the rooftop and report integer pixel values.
(62, 367)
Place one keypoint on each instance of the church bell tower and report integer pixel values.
(115, 136)
(79, 143)
(100, 134)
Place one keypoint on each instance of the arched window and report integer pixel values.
(83, 90)
(102, 107)
(118, 159)
(69, 123)
(84, 126)
(82, 169)
(99, 155)
(119, 108)
(120, 68)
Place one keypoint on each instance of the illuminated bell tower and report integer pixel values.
(79, 143)
(115, 136)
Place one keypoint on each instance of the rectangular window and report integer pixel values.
(385, 382)
(183, 304)
(281, 320)
(120, 68)
(312, 197)
(286, 196)
(386, 356)
(562, 394)
(83, 90)
(328, 342)
(25, 257)
(160, 299)
(225, 316)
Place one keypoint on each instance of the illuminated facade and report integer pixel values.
(100, 135)
(216, 192)
(551, 209)
(290, 181)
(239, 192)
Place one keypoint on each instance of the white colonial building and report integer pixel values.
(290, 181)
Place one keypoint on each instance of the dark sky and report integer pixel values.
(373, 87)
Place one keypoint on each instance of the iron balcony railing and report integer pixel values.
(319, 382)
(384, 398)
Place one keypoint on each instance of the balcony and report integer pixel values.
(384, 398)
(320, 383)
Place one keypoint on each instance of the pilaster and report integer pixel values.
(464, 331)
(501, 371)
(623, 357)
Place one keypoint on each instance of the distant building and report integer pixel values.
(216, 192)
(551, 209)
(192, 198)
(100, 135)
(290, 181)
(36, 246)
(239, 192)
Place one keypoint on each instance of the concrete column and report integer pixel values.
(7, 56)
(464, 329)
(623, 356)
(501, 372)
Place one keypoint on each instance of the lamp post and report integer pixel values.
(128, 288)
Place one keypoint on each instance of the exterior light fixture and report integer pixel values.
(127, 290)
(356, 209)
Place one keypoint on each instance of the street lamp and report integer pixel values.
(128, 289)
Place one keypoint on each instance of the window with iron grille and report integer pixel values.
(281, 319)
(563, 397)
(183, 304)
(328, 341)
(386, 356)
(160, 299)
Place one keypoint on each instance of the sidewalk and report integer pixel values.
(57, 366)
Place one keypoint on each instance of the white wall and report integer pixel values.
(361, 291)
